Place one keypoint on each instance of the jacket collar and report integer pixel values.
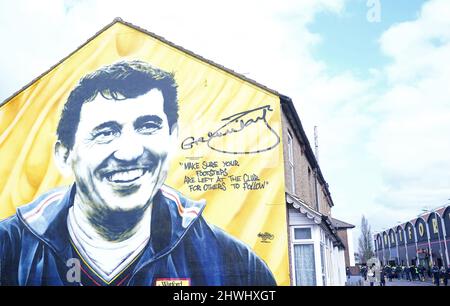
(46, 217)
(172, 216)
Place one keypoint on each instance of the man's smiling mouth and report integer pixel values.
(125, 176)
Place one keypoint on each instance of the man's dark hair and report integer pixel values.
(119, 81)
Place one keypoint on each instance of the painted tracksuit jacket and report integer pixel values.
(35, 246)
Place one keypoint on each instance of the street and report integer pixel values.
(358, 281)
(403, 282)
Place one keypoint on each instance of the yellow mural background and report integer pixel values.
(207, 94)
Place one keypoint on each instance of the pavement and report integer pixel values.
(402, 282)
(356, 280)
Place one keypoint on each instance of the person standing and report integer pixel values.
(390, 272)
(364, 272)
(446, 275)
(436, 273)
(442, 274)
(407, 273)
(422, 273)
(371, 275)
(382, 277)
(399, 272)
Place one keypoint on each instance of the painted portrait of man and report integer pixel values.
(116, 135)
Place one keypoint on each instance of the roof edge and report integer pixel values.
(155, 36)
(342, 224)
(197, 56)
(294, 119)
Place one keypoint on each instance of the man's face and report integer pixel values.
(120, 155)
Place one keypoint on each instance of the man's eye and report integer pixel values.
(105, 136)
(148, 128)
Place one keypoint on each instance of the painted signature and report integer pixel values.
(243, 119)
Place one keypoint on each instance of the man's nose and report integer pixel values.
(129, 148)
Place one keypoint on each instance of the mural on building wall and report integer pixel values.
(135, 163)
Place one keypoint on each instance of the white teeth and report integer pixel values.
(125, 176)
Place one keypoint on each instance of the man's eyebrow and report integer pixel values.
(148, 118)
(108, 125)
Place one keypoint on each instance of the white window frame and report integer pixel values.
(323, 257)
(294, 242)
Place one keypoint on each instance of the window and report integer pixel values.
(323, 259)
(302, 233)
(304, 260)
(305, 270)
(322, 262)
(291, 161)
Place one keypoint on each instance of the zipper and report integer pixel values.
(152, 260)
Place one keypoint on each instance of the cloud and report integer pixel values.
(411, 141)
(389, 155)
(237, 34)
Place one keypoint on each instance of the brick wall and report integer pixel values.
(342, 233)
(303, 172)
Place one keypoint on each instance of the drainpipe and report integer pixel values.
(316, 153)
(316, 190)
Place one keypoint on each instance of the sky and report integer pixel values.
(372, 75)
